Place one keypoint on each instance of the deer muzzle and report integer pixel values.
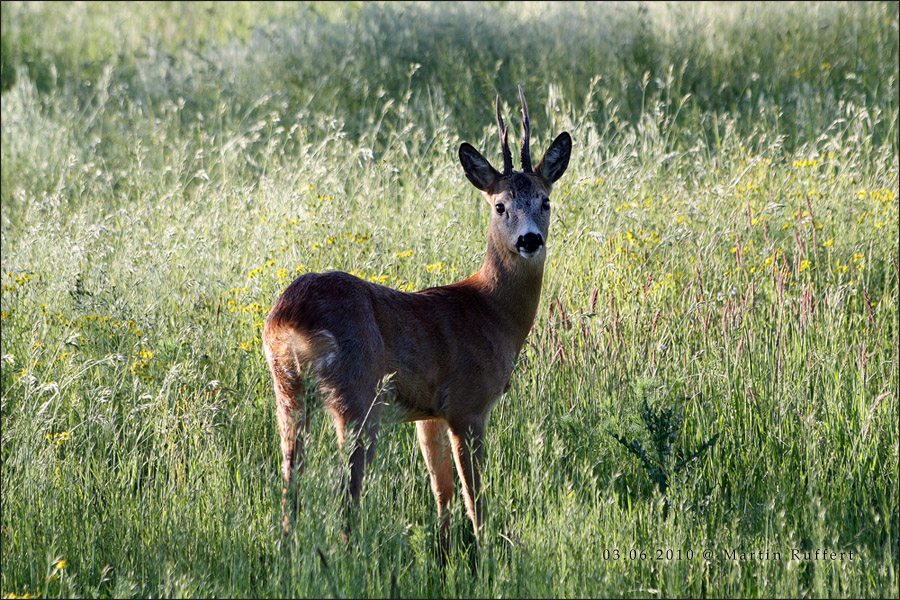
(529, 244)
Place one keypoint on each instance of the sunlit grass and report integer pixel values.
(724, 243)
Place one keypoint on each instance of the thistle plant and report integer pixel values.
(663, 461)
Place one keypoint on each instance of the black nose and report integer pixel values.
(530, 242)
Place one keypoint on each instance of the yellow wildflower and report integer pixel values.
(248, 345)
(806, 163)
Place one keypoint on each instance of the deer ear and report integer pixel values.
(556, 160)
(477, 168)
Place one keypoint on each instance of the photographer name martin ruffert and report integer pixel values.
(793, 554)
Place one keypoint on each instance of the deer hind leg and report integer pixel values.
(435, 447)
(288, 355)
(467, 440)
(356, 419)
(293, 422)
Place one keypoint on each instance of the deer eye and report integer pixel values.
(500, 208)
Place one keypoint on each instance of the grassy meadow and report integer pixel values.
(723, 254)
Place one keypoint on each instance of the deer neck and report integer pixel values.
(513, 285)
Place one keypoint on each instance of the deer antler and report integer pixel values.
(504, 141)
(526, 134)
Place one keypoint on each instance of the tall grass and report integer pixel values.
(724, 244)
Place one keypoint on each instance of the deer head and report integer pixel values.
(520, 200)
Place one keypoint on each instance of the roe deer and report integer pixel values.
(446, 352)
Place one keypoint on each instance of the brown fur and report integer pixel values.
(442, 356)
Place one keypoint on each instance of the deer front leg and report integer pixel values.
(435, 447)
(467, 440)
